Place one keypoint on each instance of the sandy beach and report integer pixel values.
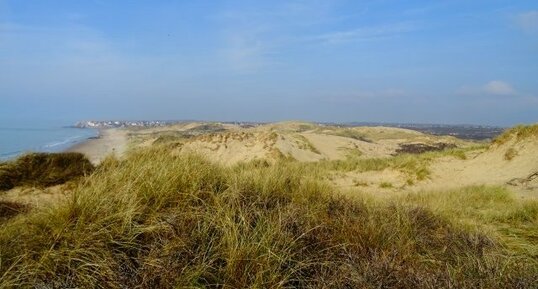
(109, 141)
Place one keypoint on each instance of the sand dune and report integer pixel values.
(301, 141)
(510, 164)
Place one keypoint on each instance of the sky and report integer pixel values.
(456, 62)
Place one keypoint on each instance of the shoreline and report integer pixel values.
(108, 141)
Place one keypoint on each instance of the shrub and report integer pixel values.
(43, 169)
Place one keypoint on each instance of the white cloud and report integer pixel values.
(528, 21)
(499, 87)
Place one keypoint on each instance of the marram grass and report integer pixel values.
(160, 221)
(518, 133)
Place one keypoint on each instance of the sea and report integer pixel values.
(18, 137)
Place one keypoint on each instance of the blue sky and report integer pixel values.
(455, 61)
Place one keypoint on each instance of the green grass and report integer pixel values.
(43, 169)
(155, 220)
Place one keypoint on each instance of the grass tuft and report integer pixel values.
(510, 154)
(518, 132)
(386, 185)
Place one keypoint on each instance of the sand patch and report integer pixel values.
(110, 141)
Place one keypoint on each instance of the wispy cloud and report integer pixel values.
(368, 33)
(248, 48)
(253, 35)
(499, 87)
(493, 87)
(252, 38)
(528, 21)
(245, 52)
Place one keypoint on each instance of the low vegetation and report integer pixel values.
(360, 183)
(43, 169)
(155, 220)
(510, 154)
(518, 133)
(349, 133)
(414, 166)
(386, 185)
(305, 144)
(494, 209)
(419, 148)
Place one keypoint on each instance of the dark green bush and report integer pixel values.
(43, 169)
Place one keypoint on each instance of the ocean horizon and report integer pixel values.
(17, 137)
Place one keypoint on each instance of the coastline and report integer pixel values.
(109, 141)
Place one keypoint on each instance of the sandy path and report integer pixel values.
(109, 141)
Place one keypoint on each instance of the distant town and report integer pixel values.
(464, 131)
(122, 123)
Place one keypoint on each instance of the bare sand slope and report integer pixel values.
(233, 146)
(339, 147)
(110, 141)
(513, 163)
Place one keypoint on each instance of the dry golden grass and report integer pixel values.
(155, 220)
(518, 132)
(492, 208)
